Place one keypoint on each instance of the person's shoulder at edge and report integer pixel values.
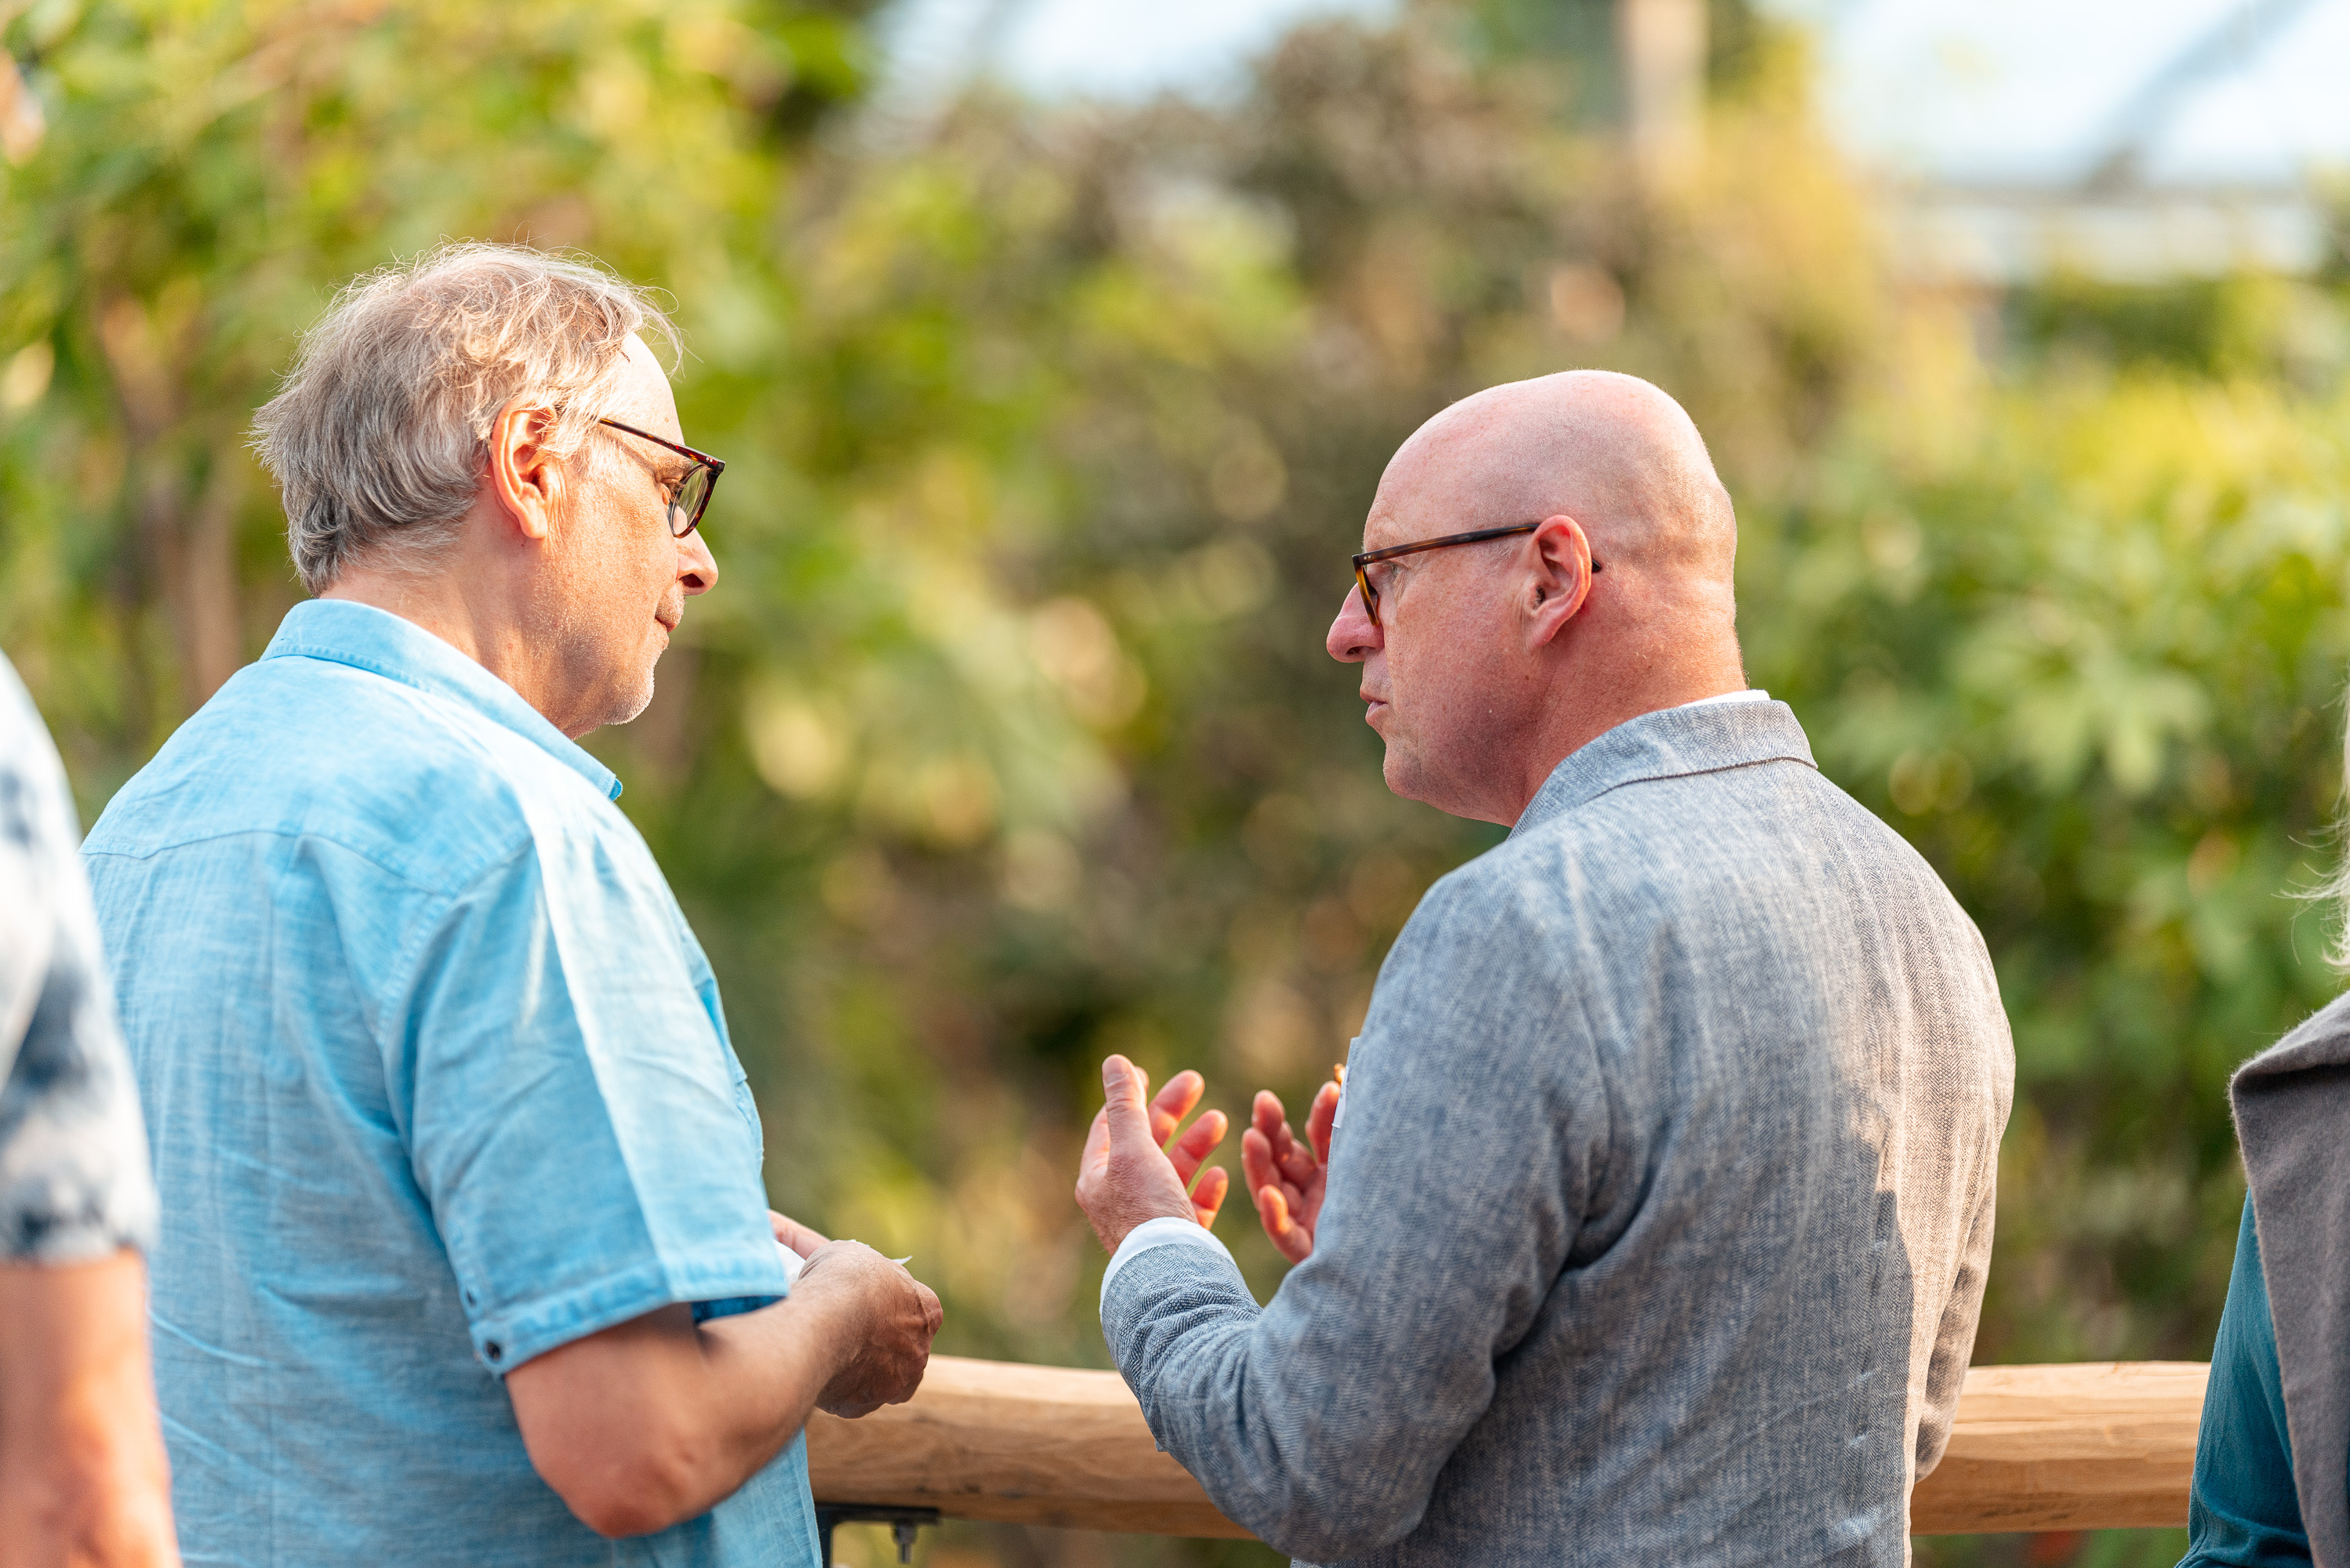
(297, 746)
(2320, 1040)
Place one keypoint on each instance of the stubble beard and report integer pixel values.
(634, 708)
(630, 700)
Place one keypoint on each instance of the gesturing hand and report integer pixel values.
(1286, 1177)
(1130, 1172)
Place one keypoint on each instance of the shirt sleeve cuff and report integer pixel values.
(1167, 1231)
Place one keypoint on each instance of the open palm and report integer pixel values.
(1286, 1175)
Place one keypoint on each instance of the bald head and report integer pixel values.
(1610, 451)
(1486, 665)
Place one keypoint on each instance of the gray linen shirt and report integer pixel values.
(1658, 1222)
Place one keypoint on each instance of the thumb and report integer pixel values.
(1122, 1101)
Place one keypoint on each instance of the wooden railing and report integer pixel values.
(2097, 1446)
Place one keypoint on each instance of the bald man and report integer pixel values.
(1651, 1224)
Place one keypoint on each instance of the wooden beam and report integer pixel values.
(1031, 1445)
(2106, 1446)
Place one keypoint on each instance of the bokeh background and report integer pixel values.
(1056, 350)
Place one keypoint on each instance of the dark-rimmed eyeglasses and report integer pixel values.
(690, 496)
(1367, 581)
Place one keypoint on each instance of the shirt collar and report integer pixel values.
(1700, 738)
(365, 638)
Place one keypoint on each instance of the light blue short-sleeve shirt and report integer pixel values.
(437, 1080)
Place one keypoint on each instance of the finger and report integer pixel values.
(1256, 1157)
(801, 1239)
(1095, 1161)
(1273, 1211)
(1122, 1088)
(1319, 1120)
(1208, 1198)
(1294, 1161)
(1283, 1141)
(1096, 1141)
(1174, 1103)
(1267, 1117)
(1197, 1141)
(1265, 1113)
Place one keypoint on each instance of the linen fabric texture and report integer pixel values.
(1657, 1228)
(74, 1185)
(439, 1081)
(2292, 1103)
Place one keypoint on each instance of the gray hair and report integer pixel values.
(2335, 891)
(379, 435)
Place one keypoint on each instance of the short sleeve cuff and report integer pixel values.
(504, 1340)
(1167, 1231)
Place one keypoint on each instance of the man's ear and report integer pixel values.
(1562, 578)
(525, 480)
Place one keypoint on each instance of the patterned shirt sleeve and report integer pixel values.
(74, 1182)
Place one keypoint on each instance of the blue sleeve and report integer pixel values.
(2242, 1511)
(576, 1119)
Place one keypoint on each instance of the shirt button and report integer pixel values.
(494, 1350)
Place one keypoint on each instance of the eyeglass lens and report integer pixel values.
(685, 504)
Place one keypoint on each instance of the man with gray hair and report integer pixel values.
(1649, 1226)
(465, 1258)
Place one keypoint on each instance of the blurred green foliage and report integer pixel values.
(1007, 738)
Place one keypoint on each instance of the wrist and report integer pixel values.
(1161, 1231)
(834, 1314)
(1151, 1213)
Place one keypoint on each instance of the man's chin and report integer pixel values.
(1402, 778)
(1408, 778)
(625, 705)
(639, 701)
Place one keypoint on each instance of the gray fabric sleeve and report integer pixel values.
(1954, 1337)
(1473, 1135)
(74, 1183)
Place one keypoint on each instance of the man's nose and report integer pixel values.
(697, 568)
(1354, 636)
